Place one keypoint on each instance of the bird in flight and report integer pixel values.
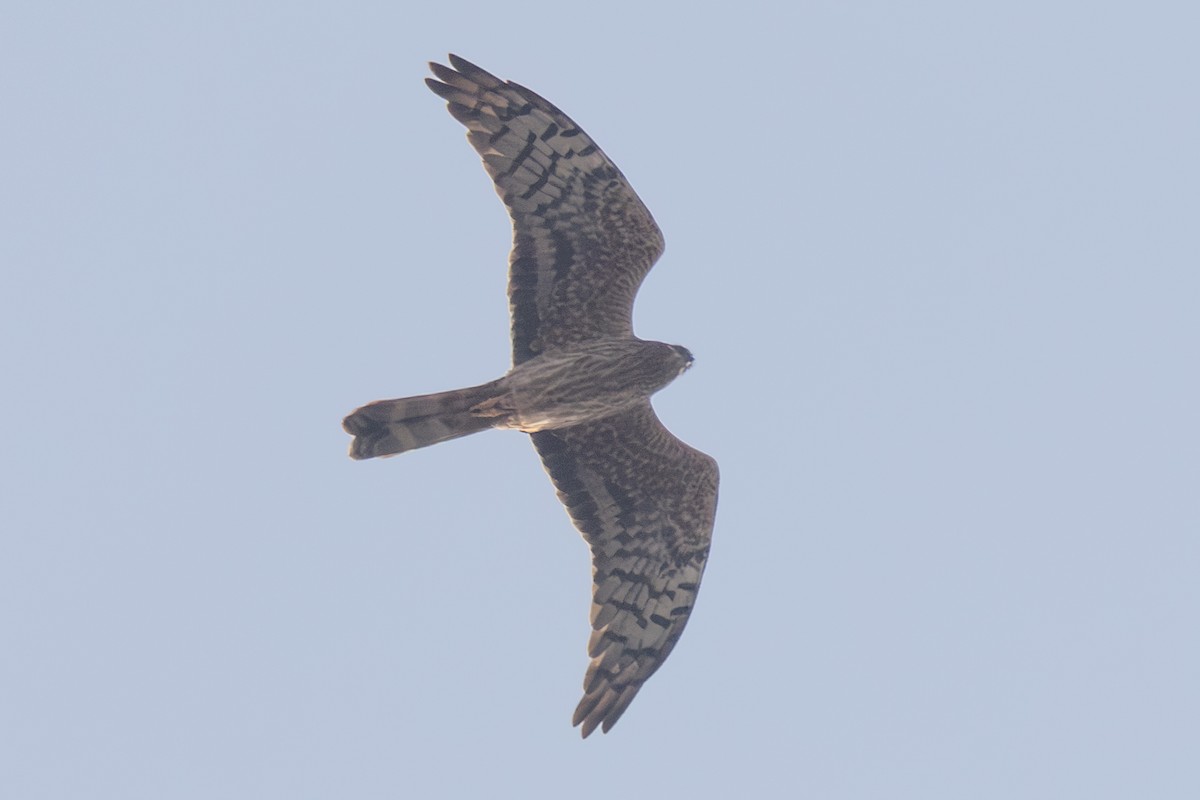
(581, 381)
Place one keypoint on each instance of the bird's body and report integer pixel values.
(557, 389)
(580, 383)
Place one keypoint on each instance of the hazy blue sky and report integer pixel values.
(939, 263)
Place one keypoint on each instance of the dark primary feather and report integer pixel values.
(582, 239)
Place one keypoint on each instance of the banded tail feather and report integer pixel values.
(389, 427)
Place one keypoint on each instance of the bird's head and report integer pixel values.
(685, 357)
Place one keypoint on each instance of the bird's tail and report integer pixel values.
(388, 427)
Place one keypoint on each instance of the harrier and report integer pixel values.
(580, 383)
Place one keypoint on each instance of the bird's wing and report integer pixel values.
(582, 239)
(645, 503)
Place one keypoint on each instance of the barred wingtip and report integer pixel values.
(602, 707)
(478, 74)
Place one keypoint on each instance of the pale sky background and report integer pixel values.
(939, 263)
